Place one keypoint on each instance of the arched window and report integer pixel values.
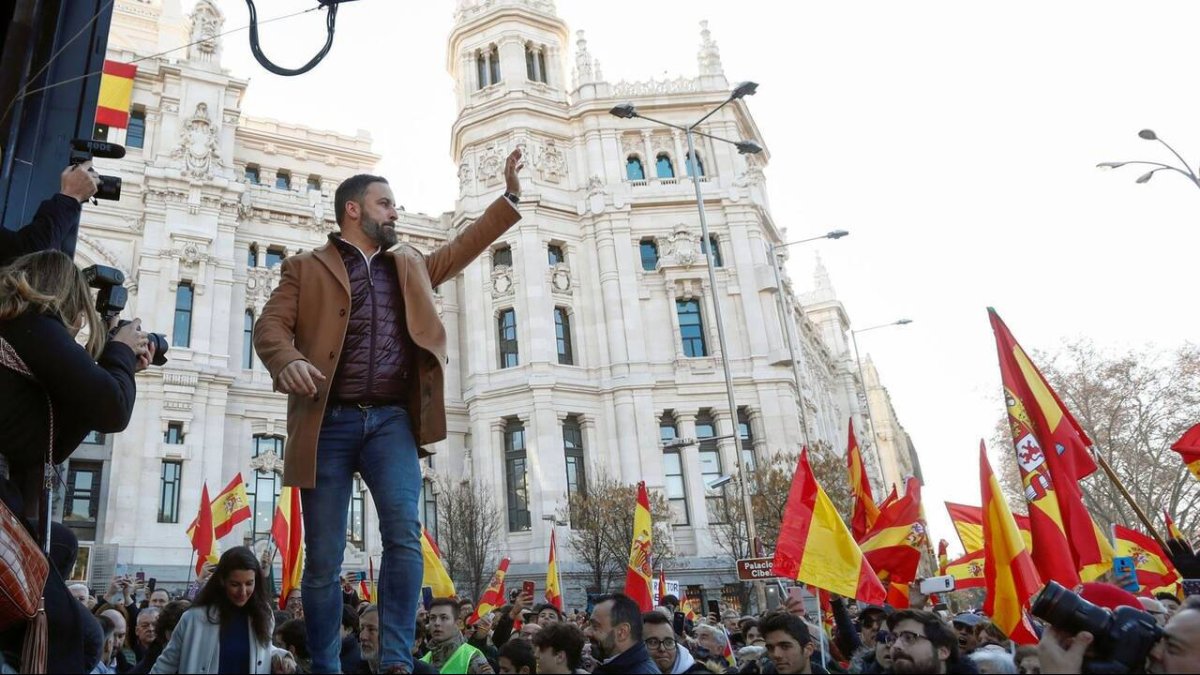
(495, 61)
(699, 164)
(634, 169)
(487, 66)
(649, 250)
(248, 340)
(562, 336)
(716, 250)
(663, 167)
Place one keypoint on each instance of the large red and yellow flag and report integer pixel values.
(553, 587)
(435, 575)
(865, 510)
(1010, 576)
(816, 548)
(202, 537)
(1154, 568)
(968, 523)
(893, 546)
(116, 94)
(493, 597)
(288, 532)
(639, 575)
(230, 507)
(1188, 447)
(1052, 451)
(967, 571)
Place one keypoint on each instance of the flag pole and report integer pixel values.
(1112, 476)
(821, 635)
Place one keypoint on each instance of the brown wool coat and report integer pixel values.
(307, 315)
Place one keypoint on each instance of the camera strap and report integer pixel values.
(9, 358)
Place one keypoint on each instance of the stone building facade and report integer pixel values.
(578, 342)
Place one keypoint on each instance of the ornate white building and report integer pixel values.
(583, 338)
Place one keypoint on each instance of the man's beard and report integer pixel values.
(602, 651)
(380, 233)
(904, 665)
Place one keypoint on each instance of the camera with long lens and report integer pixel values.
(111, 297)
(84, 150)
(1123, 638)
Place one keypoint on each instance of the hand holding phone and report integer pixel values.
(528, 588)
(1125, 574)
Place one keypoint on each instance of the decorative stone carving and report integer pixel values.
(260, 281)
(502, 282)
(551, 163)
(595, 186)
(560, 279)
(652, 87)
(207, 21)
(267, 462)
(491, 165)
(632, 145)
(198, 148)
(316, 202)
(583, 61)
(709, 57)
(682, 248)
(464, 176)
(245, 206)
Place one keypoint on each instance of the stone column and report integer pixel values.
(680, 157)
(693, 480)
(648, 160)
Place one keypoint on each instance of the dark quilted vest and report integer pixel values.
(372, 368)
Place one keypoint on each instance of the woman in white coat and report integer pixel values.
(228, 628)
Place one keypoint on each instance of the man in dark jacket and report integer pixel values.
(56, 223)
(616, 634)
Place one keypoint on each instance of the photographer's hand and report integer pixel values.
(131, 335)
(1062, 653)
(79, 181)
(144, 360)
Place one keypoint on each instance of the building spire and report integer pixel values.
(584, 63)
(821, 276)
(709, 57)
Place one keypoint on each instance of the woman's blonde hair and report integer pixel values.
(49, 282)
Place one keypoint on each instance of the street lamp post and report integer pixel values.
(628, 111)
(786, 308)
(862, 378)
(1149, 135)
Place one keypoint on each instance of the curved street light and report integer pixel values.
(1149, 135)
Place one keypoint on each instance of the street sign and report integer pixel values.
(756, 569)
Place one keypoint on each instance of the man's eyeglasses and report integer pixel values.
(904, 637)
(655, 643)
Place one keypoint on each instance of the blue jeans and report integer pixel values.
(378, 444)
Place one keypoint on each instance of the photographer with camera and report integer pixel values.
(56, 223)
(53, 391)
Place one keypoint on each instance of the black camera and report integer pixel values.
(83, 150)
(1123, 638)
(110, 302)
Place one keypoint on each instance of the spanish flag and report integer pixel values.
(493, 597)
(865, 510)
(288, 532)
(893, 546)
(638, 576)
(815, 547)
(436, 576)
(116, 94)
(1010, 576)
(1188, 447)
(1052, 451)
(201, 536)
(230, 507)
(967, 571)
(943, 557)
(1173, 531)
(968, 523)
(1154, 568)
(553, 588)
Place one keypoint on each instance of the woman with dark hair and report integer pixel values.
(164, 625)
(228, 627)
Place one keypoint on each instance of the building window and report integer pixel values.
(83, 498)
(634, 169)
(649, 249)
(691, 327)
(554, 253)
(429, 512)
(699, 170)
(248, 340)
(168, 496)
(263, 488)
(495, 70)
(275, 256)
(515, 476)
(535, 64)
(94, 438)
(673, 473)
(746, 437)
(283, 180)
(135, 134)
(252, 256)
(663, 167)
(710, 467)
(487, 65)
(506, 327)
(716, 250)
(174, 433)
(356, 520)
(530, 61)
(562, 334)
(252, 175)
(184, 294)
(502, 256)
(314, 183)
(573, 451)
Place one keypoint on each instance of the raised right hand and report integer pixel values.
(79, 181)
(132, 336)
(299, 377)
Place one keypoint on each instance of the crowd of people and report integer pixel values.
(232, 624)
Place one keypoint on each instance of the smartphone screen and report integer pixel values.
(677, 622)
(528, 588)
(140, 576)
(714, 607)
